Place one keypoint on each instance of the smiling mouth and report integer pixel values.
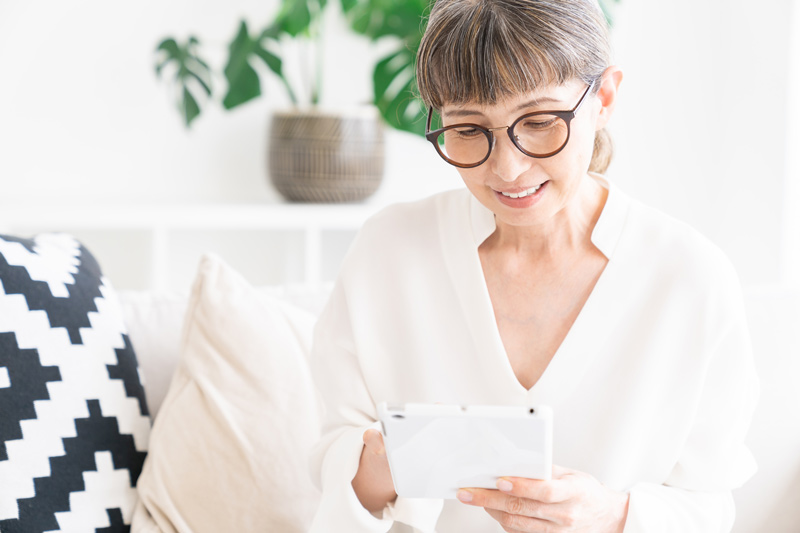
(522, 194)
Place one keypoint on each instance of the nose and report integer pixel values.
(506, 160)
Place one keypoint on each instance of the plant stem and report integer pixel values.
(292, 96)
(315, 31)
(315, 93)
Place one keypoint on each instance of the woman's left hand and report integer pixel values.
(571, 502)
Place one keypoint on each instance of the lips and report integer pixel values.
(521, 194)
(520, 198)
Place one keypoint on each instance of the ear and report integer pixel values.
(607, 94)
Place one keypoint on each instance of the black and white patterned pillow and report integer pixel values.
(74, 424)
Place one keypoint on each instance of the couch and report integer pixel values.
(238, 343)
(769, 503)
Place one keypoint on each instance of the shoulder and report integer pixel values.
(404, 236)
(418, 220)
(676, 252)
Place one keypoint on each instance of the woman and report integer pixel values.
(541, 283)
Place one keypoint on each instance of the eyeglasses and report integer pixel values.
(540, 134)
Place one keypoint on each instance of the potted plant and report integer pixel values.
(313, 155)
(316, 156)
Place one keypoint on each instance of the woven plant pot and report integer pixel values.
(318, 156)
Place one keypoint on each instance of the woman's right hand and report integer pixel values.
(373, 481)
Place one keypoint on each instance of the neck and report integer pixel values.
(568, 232)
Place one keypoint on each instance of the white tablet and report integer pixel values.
(434, 450)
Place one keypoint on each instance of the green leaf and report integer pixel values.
(394, 87)
(404, 112)
(202, 63)
(388, 69)
(401, 109)
(171, 52)
(203, 83)
(170, 46)
(189, 108)
(273, 32)
(379, 18)
(273, 62)
(189, 68)
(294, 17)
(243, 80)
(243, 87)
(243, 83)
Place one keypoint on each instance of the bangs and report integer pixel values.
(486, 51)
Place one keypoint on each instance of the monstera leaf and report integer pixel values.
(191, 72)
(243, 81)
(381, 18)
(395, 91)
(394, 83)
(295, 18)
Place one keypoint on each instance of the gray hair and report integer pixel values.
(486, 50)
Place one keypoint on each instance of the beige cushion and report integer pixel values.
(228, 450)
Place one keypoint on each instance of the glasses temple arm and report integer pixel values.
(430, 116)
(587, 91)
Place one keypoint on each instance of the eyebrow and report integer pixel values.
(536, 102)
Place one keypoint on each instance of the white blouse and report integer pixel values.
(652, 389)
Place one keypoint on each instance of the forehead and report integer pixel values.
(546, 97)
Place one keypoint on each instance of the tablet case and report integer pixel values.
(434, 450)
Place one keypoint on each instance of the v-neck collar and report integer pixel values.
(571, 358)
(606, 231)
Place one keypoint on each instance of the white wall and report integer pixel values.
(84, 118)
(790, 260)
(701, 128)
(702, 121)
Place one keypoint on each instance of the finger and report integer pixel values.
(373, 440)
(492, 499)
(522, 524)
(553, 491)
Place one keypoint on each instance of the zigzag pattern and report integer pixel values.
(31, 384)
(71, 312)
(73, 417)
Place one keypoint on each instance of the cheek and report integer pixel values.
(472, 177)
(582, 141)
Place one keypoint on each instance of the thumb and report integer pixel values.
(373, 440)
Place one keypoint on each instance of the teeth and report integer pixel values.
(523, 194)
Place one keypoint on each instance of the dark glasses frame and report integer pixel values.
(566, 116)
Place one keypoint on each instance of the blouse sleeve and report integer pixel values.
(696, 497)
(349, 412)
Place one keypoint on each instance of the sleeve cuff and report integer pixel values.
(339, 508)
(419, 513)
(658, 508)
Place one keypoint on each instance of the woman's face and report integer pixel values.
(547, 184)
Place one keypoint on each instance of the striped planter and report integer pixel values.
(318, 156)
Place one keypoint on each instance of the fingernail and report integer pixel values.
(504, 485)
(464, 496)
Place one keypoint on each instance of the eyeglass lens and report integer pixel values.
(538, 135)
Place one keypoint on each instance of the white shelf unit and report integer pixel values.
(157, 247)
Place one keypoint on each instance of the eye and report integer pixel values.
(538, 123)
(467, 132)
